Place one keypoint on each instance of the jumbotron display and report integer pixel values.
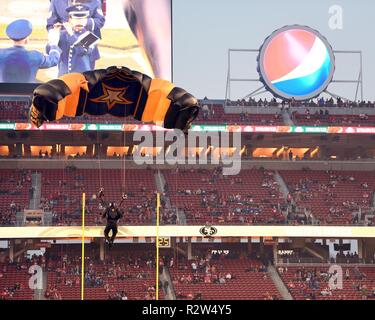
(296, 62)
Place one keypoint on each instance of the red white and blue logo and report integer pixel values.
(296, 62)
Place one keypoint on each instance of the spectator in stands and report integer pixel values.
(198, 296)
(347, 274)
(124, 295)
(180, 295)
(194, 266)
(290, 155)
(205, 112)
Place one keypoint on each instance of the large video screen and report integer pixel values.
(43, 39)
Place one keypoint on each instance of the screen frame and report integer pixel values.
(18, 89)
(269, 85)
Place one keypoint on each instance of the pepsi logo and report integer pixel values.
(296, 62)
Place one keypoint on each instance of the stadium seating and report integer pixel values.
(14, 110)
(138, 281)
(139, 186)
(18, 111)
(14, 191)
(341, 192)
(206, 196)
(244, 285)
(214, 114)
(250, 197)
(217, 115)
(354, 288)
(12, 275)
(334, 120)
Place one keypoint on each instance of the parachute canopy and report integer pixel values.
(117, 91)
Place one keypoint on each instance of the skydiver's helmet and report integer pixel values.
(112, 205)
(112, 210)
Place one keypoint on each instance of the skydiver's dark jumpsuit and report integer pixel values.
(112, 214)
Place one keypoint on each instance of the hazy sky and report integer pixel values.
(204, 30)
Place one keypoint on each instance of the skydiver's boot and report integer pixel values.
(111, 241)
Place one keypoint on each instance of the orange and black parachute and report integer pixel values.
(117, 91)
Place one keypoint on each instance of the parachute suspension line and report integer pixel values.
(157, 244)
(98, 150)
(63, 191)
(83, 248)
(123, 163)
(177, 171)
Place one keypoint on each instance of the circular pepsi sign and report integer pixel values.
(296, 62)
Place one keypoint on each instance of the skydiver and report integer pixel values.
(113, 214)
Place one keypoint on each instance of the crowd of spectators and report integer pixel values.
(52, 293)
(13, 186)
(308, 189)
(313, 103)
(349, 257)
(19, 179)
(205, 268)
(207, 112)
(18, 111)
(313, 283)
(203, 271)
(330, 102)
(58, 155)
(121, 268)
(209, 267)
(9, 292)
(323, 117)
(65, 202)
(231, 205)
(234, 207)
(251, 102)
(168, 215)
(11, 111)
(19, 272)
(61, 196)
(7, 218)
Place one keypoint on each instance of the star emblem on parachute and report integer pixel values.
(112, 96)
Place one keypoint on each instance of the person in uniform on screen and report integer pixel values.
(113, 214)
(95, 21)
(74, 56)
(17, 64)
(150, 22)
